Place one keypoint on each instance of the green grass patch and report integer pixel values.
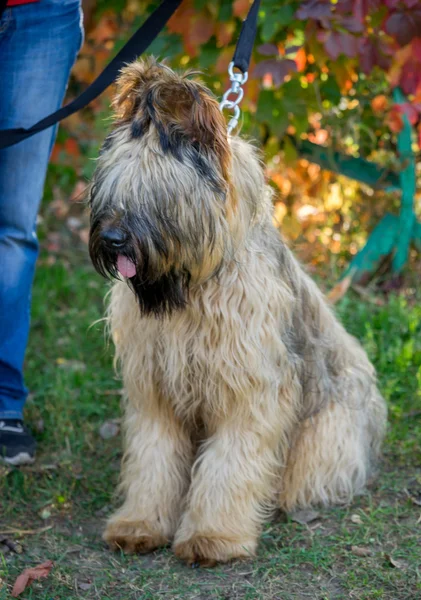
(70, 489)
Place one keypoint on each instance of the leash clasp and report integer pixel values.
(237, 80)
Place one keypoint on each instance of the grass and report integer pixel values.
(69, 490)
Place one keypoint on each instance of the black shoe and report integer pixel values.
(17, 446)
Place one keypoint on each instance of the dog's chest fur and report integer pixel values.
(219, 348)
(223, 347)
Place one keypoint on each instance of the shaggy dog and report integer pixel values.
(243, 390)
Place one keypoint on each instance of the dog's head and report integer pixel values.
(162, 198)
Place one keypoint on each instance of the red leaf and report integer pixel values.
(410, 77)
(268, 50)
(180, 21)
(202, 30)
(362, 8)
(373, 52)
(71, 147)
(416, 48)
(337, 43)
(351, 24)
(278, 69)
(301, 59)
(344, 7)
(403, 25)
(29, 575)
(224, 33)
(410, 111)
(240, 8)
(314, 9)
(394, 119)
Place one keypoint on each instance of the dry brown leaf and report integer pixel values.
(361, 551)
(29, 575)
(339, 290)
(396, 563)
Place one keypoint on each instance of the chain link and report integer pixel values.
(237, 80)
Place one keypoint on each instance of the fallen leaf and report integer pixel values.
(357, 519)
(397, 564)
(29, 575)
(109, 429)
(304, 516)
(361, 551)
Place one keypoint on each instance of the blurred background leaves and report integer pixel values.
(321, 70)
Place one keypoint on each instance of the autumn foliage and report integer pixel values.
(322, 70)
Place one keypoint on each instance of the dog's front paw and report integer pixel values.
(208, 550)
(133, 536)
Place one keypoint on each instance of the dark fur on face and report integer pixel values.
(162, 180)
(158, 293)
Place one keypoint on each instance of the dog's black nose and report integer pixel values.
(114, 237)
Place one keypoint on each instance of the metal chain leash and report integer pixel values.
(237, 80)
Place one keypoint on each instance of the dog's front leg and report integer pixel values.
(233, 481)
(154, 480)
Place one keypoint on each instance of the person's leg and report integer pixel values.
(38, 46)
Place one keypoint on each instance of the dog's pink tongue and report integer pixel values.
(126, 267)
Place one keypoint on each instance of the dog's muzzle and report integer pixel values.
(115, 242)
(114, 238)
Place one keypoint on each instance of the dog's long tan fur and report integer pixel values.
(252, 394)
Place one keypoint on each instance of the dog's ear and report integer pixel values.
(182, 110)
(131, 85)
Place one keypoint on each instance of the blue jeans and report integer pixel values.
(38, 46)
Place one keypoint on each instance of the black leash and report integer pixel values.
(137, 44)
(245, 42)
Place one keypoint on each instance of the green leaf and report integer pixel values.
(209, 54)
(271, 112)
(166, 44)
(225, 11)
(200, 4)
(330, 90)
(290, 152)
(274, 20)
